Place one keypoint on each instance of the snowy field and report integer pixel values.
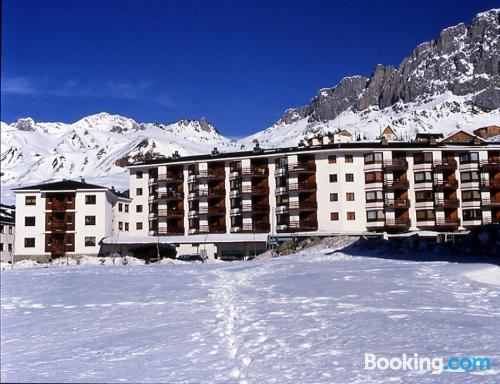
(306, 318)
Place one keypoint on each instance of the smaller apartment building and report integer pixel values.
(7, 232)
(67, 218)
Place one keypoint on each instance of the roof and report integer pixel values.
(7, 213)
(430, 134)
(190, 239)
(450, 137)
(69, 185)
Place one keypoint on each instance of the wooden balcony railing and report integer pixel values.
(395, 164)
(397, 203)
(445, 165)
(255, 170)
(447, 203)
(446, 184)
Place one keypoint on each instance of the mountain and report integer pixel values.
(450, 82)
(96, 146)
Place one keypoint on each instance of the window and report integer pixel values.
(9, 247)
(472, 214)
(126, 226)
(10, 230)
(333, 178)
(120, 207)
(374, 158)
(349, 196)
(126, 207)
(90, 199)
(425, 215)
(138, 175)
(2, 228)
(467, 177)
(138, 191)
(120, 225)
(469, 157)
(351, 216)
(349, 177)
(422, 158)
(373, 196)
(348, 158)
(334, 216)
(138, 208)
(332, 159)
(374, 177)
(1, 247)
(471, 195)
(423, 177)
(334, 197)
(90, 241)
(424, 196)
(375, 215)
(30, 200)
(138, 226)
(89, 220)
(29, 221)
(29, 242)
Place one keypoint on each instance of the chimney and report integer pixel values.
(257, 147)
(176, 155)
(215, 151)
(82, 180)
(301, 143)
(384, 141)
(113, 188)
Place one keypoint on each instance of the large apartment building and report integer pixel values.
(67, 218)
(443, 185)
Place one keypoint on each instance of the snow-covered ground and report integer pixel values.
(304, 318)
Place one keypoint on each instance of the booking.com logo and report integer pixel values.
(435, 364)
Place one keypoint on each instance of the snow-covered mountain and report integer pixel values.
(448, 83)
(96, 147)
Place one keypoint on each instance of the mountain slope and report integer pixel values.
(456, 76)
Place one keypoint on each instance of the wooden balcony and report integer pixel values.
(170, 230)
(491, 220)
(301, 167)
(395, 165)
(445, 184)
(56, 226)
(396, 184)
(447, 223)
(59, 205)
(490, 183)
(169, 196)
(398, 224)
(300, 226)
(170, 177)
(60, 249)
(302, 187)
(255, 208)
(170, 212)
(254, 190)
(211, 174)
(254, 170)
(447, 203)
(212, 211)
(397, 203)
(445, 165)
(256, 227)
(302, 206)
(492, 164)
(491, 201)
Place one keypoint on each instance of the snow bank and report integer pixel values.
(489, 275)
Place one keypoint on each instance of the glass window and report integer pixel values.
(372, 196)
(349, 177)
(374, 177)
(424, 196)
(138, 226)
(425, 215)
(334, 216)
(120, 207)
(332, 159)
(472, 214)
(374, 158)
(349, 196)
(333, 178)
(138, 191)
(471, 195)
(29, 242)
(90, 199)
(138, 175)
(334, 197)
(351, 216)
(90, 241)
(348, 158)
(89, 220)
(422, 177)
(30, 200)
(138, 208)
(29, 221)
(375, 215)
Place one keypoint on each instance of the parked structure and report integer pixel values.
(67, 218)
(7, 232)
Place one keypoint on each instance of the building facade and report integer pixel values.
(7, 232)
(67, 218)
(344, 188)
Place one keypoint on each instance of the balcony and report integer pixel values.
(210, 192)
(395, 165)
(445, 165)
(397, 203)
(212, 211)
(491, 220)
(301, 167)
(447, 222)
(254, 190)
(255, 171)
(170, 230)
(302, 205)
(170, 212)
(401, 224)
(490, 183)
(174, 178)
(59, 205)
(447, 203)
(396, 184)
(255, 208)
(56, 226)
(169, 196)
(59, 249)
(492, 164)
(215, 228)
(302, 187)
(445, 184)
(256, 227)
(491, 201)
(211, 174)
(300, 226)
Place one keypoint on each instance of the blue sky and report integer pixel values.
(237, 63)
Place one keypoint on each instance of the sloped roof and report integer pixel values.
(63, 185)
(450, 137)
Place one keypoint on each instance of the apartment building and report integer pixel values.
(7, 232)
(231, 202)
(67, 218)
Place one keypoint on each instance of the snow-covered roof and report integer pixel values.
(208, 238)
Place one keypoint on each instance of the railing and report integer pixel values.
(491, 220)
(170, 230)
(304, 186)
(490, 183)
(170, 196)
(396, 184)
(169, 176)
(210, 192)
(302, 205)
(254, 189)
(212, 210)
(216, 228)
(446, 184)
(256, 227)
(60, 248)
(445, 164)
(491, 201)
(398, 203)
(255, 170)
(61, 227)
(447, 203)
(211, 174)
(447, 222)
(59, 206)
(396, 164)
(491, 163)
(301, 167)
(257, 208)
(398, 223)
(170, 212)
